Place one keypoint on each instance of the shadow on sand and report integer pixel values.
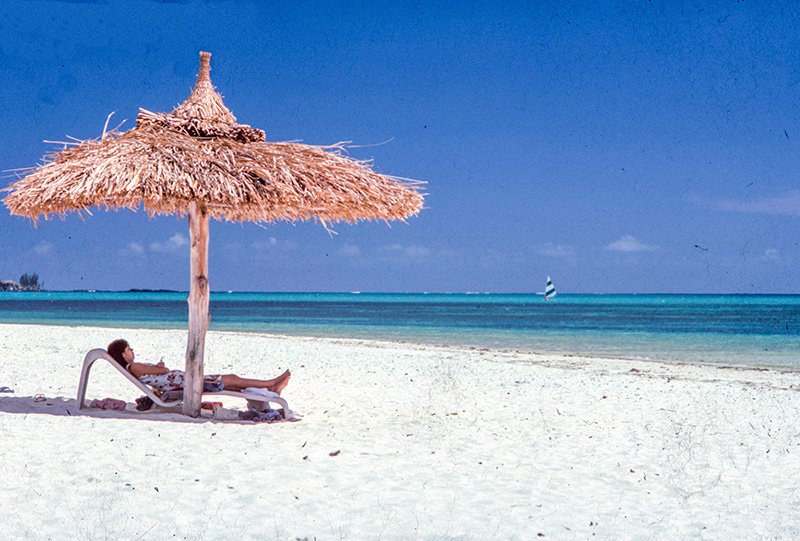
(63, 407)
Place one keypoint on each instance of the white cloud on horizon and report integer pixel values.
(262, 245)
(410, 251)
(771, 254)
(43, 248)
(135, 248)
(787, 204)
(556, 250)
(175, 242)
(629, 243)
(418, 251)
(349, 250)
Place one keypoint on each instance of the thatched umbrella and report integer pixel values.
(198, 160)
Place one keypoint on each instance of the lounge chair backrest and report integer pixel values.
(96, 354)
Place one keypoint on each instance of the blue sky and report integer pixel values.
(622, 147)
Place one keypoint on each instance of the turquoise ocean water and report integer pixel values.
(725, 329)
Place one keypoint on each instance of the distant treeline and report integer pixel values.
(152, 291)
(27, 282)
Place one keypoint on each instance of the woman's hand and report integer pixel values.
(139, 369)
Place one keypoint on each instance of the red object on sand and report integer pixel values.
(210, 405)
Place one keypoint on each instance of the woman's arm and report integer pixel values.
(141, 369)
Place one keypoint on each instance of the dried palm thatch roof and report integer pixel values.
(199, 152)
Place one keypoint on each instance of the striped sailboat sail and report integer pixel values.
(549, 290)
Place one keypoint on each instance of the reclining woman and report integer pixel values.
(164, 379)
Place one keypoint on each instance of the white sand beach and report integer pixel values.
(398, 441)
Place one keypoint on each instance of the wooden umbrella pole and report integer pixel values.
(198, 309)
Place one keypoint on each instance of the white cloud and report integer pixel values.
(629, 243)
(135, 248)
(410, 251)
(270, 243)
(556, 250)
(350, 250)
(175, 242)
(43, 248)
(784, 205)
(418, 251)
(771, 255)
(179, 239)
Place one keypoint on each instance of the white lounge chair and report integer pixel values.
(257, 401)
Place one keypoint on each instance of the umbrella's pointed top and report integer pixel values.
(204, 103)
(205, 68)
(203, 114)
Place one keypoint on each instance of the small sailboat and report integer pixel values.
(549, 290)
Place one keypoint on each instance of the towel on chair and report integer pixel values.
(263, 392)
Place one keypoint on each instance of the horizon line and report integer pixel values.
(536, 294)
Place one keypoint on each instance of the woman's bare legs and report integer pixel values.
(232, 382)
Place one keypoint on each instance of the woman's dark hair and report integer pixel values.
(116, 348)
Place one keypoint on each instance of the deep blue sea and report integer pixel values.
(725, 329)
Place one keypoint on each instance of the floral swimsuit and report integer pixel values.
(173, 380)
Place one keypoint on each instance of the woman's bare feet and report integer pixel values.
(281, 382)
